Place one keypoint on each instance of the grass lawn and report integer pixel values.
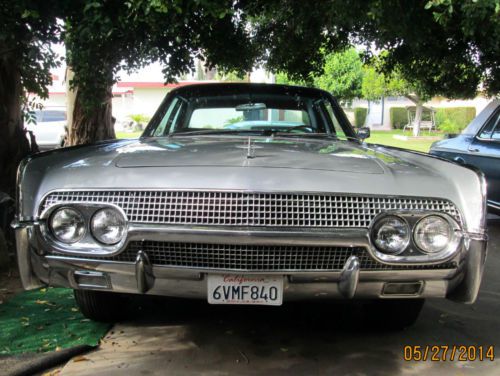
(386, 138)
(377, 137)
(128, 134)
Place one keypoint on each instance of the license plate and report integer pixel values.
(245, 289)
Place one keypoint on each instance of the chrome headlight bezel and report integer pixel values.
(112, 215)
(452, 242)
(413, 254)
(378, 226)
(87, 245)
(81, 232)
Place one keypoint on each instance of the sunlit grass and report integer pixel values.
(128, 134)
(386, 138)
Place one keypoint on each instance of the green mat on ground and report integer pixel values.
(45, 320)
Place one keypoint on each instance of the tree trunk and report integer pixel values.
(419, 107)
(70, 102)
(418, 119)
(14, 144)
(91, 126)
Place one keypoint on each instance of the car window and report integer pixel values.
(166, 120)
(336, 125)
(233, 111)
(53, 115)
(492, 128)
(232, 118)
(39, 116)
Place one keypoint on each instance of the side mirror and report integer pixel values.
(363, 133)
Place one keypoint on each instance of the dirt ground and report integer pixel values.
(180, 337)
(10, 284)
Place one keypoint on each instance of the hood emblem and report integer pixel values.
(250, 149)
(249, 146)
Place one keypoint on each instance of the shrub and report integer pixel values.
(398, 117)
(140, 120)
(360, 116)
(454, 119)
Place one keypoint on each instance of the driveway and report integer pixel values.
(178, 337)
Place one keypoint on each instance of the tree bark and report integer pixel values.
(70, 102)
(418, 118)
(14, 144)
(419, 107)
(91, 126)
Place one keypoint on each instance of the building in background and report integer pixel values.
(378, 115)
(141, 92)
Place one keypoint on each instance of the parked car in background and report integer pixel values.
(251, 194)
(50, 127)
(479, 146)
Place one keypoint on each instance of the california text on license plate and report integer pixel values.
(245, 289)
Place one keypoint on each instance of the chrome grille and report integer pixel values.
(250, 209)
(231, 257)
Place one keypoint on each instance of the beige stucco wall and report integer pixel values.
(146, 101)
(55, 100)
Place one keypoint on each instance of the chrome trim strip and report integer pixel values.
(162, 271)
(350, 237)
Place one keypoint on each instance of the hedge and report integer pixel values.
(449, 120)
(398, 117)
(454, 119)
(360, 116)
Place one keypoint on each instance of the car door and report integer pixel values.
(484, 153)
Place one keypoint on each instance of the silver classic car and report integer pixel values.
(251, 194)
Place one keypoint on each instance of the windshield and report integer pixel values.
(246, 113)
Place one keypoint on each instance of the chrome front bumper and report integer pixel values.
(38, 269)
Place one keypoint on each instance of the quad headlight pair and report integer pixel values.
(106, 225)
(432, 234)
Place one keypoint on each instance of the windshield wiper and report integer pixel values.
(260, 132)
(216, 131)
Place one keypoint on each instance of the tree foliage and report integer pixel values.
(439, 47)
(376, 85)
(104, 37)
(449, 47)
(28, 28)
(342, 75)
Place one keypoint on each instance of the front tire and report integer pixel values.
(394, 314)
(102, 306)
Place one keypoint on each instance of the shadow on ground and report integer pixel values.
(191, 337)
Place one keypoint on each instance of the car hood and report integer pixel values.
(275, 164)
(266, 152)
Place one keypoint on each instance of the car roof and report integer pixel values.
(477, 123)
(246, 88)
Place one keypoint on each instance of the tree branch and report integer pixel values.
(414, 98)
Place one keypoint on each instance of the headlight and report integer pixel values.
(67, 225)
(108, 226)
(433, 234)
(391, 234)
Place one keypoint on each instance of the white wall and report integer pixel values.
(146, 101)
(55, 100)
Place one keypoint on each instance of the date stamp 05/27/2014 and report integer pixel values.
(442, 353)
